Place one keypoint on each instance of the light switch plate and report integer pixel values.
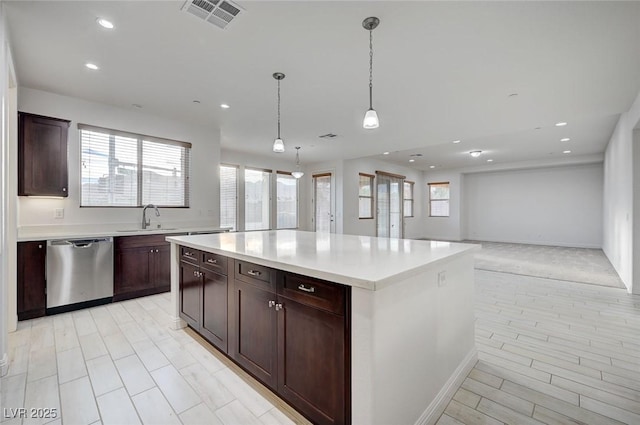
(58, 213)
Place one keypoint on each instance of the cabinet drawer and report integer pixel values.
(189, 254)
(214, 262)
(313, 292)
(261, 276)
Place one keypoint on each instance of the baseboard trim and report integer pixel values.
(431, 415)
(4, 364)
(178, 323)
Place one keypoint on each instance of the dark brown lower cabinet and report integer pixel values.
(254, 342)
(311, 368)
(142, 266)
(290, 332)
(31, 279)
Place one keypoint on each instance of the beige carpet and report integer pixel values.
(552, 262)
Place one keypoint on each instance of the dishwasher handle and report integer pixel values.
(79, 243)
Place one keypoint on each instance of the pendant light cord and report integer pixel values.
(370, 69)
(278, 109)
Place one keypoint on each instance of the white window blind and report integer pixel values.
(228, 196)
(287, 201)
(439, 199)
(322, 200)
(257, 194)
(120, 169)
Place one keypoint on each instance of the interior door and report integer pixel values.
(323, 216)
(390, 220)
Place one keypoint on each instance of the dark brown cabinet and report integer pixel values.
(32, 298)
(291, 332)
(42, 155)
(142, 266)
(204, 294)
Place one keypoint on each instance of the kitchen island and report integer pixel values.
(408, 313)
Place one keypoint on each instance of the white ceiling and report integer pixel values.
(442, 71)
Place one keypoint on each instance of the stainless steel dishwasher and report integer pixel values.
(79, 271)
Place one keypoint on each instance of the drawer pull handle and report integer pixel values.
(212, 261)
(188, 254)
(271, 303)
(309, 289)
(254, 272)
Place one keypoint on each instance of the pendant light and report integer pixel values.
(371, 116)
(297, 174)
(278, 144)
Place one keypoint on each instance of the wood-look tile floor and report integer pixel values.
(551, 352)
(121, 364)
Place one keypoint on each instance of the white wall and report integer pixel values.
(204, 160)
(274, 162)
(560, 206)
(355, 226)
(444, 228)
(621, 209)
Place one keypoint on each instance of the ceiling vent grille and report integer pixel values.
(328, 136)
(217, 12)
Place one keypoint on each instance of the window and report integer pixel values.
(122, 169)
(257, 196)
(408, 199)
(286, 201)
(228, 196)
(365, 196)
(439, 199)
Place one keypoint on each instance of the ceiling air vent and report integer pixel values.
(217, 12)
(328, 136)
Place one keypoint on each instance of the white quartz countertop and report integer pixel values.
(360, 261)
(36, 233)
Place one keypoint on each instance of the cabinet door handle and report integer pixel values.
(64, 189)
(212, 261)
(271, 303)
(200, 274)
(279, 307)
(151, 250)
(195, 273)
(304, 288)
(254, 272)
(156, 250)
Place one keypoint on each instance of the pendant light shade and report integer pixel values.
(371, 116)
(297, 174)
(278, 144)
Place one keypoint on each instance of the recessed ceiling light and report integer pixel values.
(92, 66)
(566, 139)
(561, 124)
(225, 106)
(385, 153)
(489, 160)
(566, 151)
(432, 166)
(105, 23)
(412, 160)
(456, 141)
(475, 154)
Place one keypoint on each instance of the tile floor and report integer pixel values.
(551, 352)
(121, 364)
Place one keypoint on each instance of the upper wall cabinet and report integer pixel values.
(42, 155)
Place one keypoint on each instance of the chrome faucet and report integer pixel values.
(147, 221)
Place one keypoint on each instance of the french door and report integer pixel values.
(390, 221)
(323, 214)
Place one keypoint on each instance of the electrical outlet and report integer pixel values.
(58, 213)
(442, 278)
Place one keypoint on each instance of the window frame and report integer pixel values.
(371, 178)
(140, 139)
(431, 200)
(412, 190)
(287, 173)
